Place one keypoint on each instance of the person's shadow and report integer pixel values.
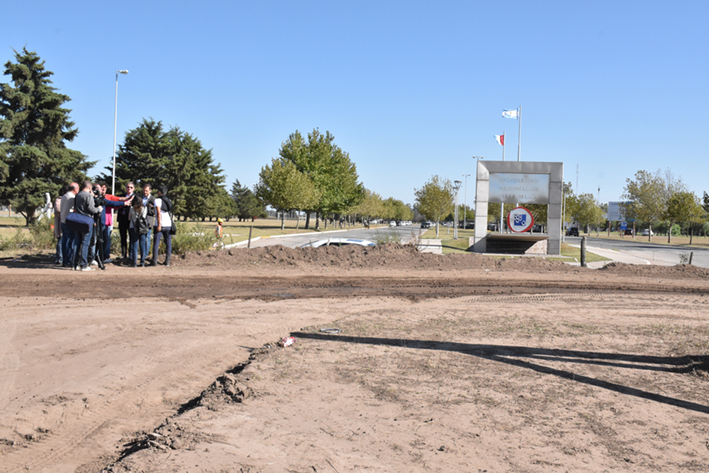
(524, 357)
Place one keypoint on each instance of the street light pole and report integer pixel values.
(477, 161)
(455, 213)
(115, 122)
(465, 202)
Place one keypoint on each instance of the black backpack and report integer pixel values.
(141, 225)
(166, 204)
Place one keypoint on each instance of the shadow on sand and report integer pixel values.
(524, 357)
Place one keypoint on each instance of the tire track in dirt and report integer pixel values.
(97, 424)
(310, 286)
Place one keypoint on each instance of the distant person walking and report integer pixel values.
(219, 230)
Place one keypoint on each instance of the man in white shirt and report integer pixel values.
(163, 224)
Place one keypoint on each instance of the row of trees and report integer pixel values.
(313, 175)
(660, 196)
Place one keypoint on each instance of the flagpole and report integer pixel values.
(503, 146)
(519, 133)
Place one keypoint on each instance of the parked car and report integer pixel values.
(425, 225)
(648, 232)
(392, 223)
(339, 242)
(629, 231)
(572, 232)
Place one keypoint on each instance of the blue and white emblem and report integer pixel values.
(520, 220)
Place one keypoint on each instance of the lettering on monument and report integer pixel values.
(519, 188)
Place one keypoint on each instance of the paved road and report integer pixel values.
(653, 253)
(293, 241)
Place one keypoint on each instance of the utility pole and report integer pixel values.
(465, 202)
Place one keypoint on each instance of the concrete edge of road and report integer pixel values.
(613, 255)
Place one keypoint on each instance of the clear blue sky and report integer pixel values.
(409, 88)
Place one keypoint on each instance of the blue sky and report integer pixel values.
(409, 89)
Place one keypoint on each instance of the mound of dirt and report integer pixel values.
(677, 271)
(395, 256)
(388, 256)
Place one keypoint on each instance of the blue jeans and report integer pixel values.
(148, 237)
(67, 245)
(135, 240)
(107, 242)
(165, 234)
(82, 241)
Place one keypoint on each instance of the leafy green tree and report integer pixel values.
(397, 210)
(285, 188)
(683, 207)
(330, 170)
(372, 206)
(34, 130)
(587, 211)
(435, 199)
(647, 191)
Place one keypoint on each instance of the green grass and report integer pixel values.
(235, 231)
(697, 241)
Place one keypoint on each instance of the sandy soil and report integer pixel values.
(438, 363)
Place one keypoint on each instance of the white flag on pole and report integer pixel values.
(510, 113)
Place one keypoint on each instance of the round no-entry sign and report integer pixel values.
(520, 220)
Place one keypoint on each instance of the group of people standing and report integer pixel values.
(82, 244)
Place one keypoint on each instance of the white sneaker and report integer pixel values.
(94, 263)
(88, 268)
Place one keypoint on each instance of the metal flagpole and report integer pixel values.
(503, 146)
(502, 204)
(519, 133)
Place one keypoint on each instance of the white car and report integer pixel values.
(648, 232)
(392, 223)
(339, 242)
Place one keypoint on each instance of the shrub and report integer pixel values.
(197, 238)
(42, 234)
(382, 238)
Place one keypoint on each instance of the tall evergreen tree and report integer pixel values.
(150, 154)
(247, 204)
(34, 129)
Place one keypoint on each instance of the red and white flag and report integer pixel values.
(500, 139)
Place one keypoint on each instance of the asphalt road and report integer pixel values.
(293, 241)
(668, 255)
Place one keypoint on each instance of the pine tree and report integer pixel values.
(152, 155)
(34, 129)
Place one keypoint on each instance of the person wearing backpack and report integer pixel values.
(139, 230)
(163, 225)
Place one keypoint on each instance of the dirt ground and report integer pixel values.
(402, 362)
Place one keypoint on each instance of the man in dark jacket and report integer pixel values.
(124, 221)
(84, 204)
